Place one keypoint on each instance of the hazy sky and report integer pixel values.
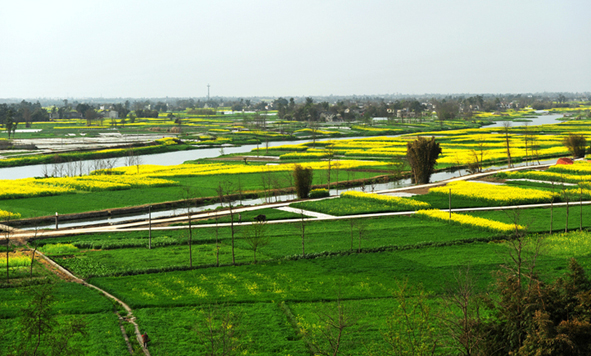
(153, 48)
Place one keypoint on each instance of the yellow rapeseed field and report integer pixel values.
(395, 201)
(500, 194)
(469, 220)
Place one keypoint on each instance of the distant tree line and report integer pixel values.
(303, 109)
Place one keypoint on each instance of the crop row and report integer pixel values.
(468, 220)
(221, 168)
(31, 187)
(398, 202)
(499, 194)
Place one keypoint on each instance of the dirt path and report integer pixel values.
(130, 318)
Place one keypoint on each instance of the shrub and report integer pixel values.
(58, 249)
(303, 180)
(576, 144)
(422, 155)
(319, 193)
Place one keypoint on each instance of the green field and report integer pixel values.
(202, 186)
(366, 267)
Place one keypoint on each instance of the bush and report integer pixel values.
(576, 145)
(422, 155)
(303, 180)
(59, 249)
(319, 193)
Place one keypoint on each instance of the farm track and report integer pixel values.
(130, 318)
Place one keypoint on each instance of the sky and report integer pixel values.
(174, 48)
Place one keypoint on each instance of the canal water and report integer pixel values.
(173, 158)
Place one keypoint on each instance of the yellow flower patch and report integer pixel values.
(469, 220)
(395, 201)
(500, 194)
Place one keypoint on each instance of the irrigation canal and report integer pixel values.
(173, 158)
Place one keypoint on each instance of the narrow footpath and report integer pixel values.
(130, 318)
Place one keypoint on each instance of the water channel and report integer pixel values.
(173, 158)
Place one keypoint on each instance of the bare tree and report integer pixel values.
(240, 188)
(534, 145)
(352, 223)
(40, 329)
(220, 330)
(422, 156)
(132, 159)
(552, 209)
(302, 226)
(80, 166)
(518, 286)
(337, 166)
(361, 230)
(225, 190)
(462, 314)
(581, 209)
(217, 241)
(565, 194)
(266, 180)
(45, 170)
(187, 195)
(410, 327)
(478, 155)
(334, 324)
(35, 244)
(329, 157)
(506, 126)
(526, 141)
(275, 186)
(256, 237)
(7, 233)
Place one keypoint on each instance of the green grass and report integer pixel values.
(538, 220)
(73, 299)
(357, 276)
(284, 240)
(344, 206)
(104, 336)
(265, 330)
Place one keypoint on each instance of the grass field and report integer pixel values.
(359, 264)
(202, 186)
(284, 240)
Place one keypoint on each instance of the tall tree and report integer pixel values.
(225, 190)
(9, 121)
(187, 195)
(576, 144)
(422, 156)
(446, 110)
(303, 180)
(506, 126)
(256, 236)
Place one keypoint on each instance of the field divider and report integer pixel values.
(130, 317)
(294, 324)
